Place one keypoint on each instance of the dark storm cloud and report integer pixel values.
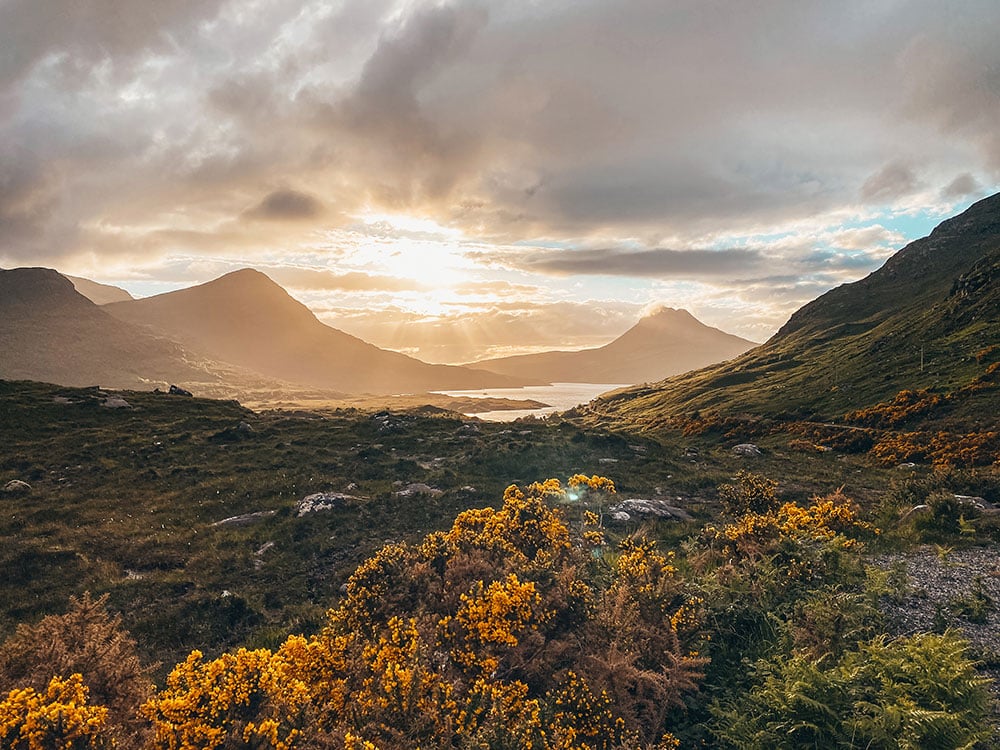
(286, 205)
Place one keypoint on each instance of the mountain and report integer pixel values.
(927, 319)
(52, 333)
(99, 294)
(664, 343)
(245, 319)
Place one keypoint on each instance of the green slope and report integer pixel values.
(916, 323)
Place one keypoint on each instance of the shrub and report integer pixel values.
(752, 493)
(497, 633)
(85, 640)
(58, 717)
(909, 694)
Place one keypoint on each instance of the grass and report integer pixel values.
(124, 501)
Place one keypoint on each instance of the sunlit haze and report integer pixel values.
(459, 180)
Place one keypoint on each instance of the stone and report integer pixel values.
(319, 501)
(16, 487)
(178, 391)
(245, 519)
(974, 500)
(649, 507)
(418, 488)
(746, 450)
(115, 402)
(916, 510)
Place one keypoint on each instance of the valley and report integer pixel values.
(781, 509)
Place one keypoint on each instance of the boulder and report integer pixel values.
(746, 450)
(16, 487)
(653, 507)
(115, 402)
(178, 391)
(418, 488)
(319, 501)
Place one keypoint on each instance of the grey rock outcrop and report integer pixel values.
(654, 507)
(320, 501)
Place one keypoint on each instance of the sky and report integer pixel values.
(473, 178)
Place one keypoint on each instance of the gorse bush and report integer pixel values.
(516, 630)
(58, 717)
(498, 633)
(86, 641)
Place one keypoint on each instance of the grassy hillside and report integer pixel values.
(123, 500)
(925, 320)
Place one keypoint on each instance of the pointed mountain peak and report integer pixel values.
(662, 316)
(244, 277)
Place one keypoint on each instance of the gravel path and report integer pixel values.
(958, 588)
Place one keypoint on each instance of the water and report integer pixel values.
(559, 396)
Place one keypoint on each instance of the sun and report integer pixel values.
(414, 248)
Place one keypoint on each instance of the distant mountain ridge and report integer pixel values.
(921, 321)
(99, 294)
(246, 319)
(662, 344)
(50, 332)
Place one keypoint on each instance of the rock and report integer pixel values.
(16, 487)
(115, 402)
(746, 450)
(619, 516)
(258, 556)
(607, 460)
(321, 501)
(974, 500)
(241, 431)
(651, 507)
(906, 465)
(246, 518)
(177, 391)
(418, 488)
(916, 510)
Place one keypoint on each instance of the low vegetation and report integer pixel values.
(529, 626)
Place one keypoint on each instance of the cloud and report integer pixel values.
(564, 141)
(353, 281)
(866, 238)
(963, 185)
(286, 205)
(659, 262)
(894, 180)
